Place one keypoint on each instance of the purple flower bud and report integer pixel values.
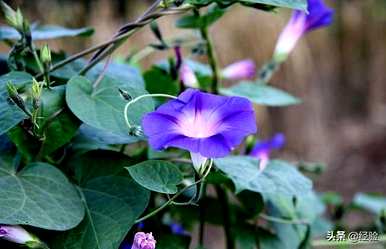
(245, 69)
(301, 23)
(264, 148)
(144, 241)
(16, 234)
(207, 125)
(188, 77)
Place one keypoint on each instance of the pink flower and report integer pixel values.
(301, 23)
(244, 69)
(188, 77)
(144, 241)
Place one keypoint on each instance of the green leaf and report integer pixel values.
(103, 136)
(103, 106)
(159, 81)
(158, 176)
(83, 143)
(99, 163)
(58, 124)
(278, 178)
(26, 144)
(39, 195)
(292, 4)
(44, 32)
(261, 94)
(112, 205)
(307, 208)
(371, 203)
(10, 114)
(123, 74)
(7, 154)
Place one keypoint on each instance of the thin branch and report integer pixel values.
(130, 29)
(121, 37)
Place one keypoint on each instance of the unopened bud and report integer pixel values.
(36, 93)
(12, 17)
(19, 235)
(9, 14)
(12, 90)
(45, 55)
(15, 97)
(136, 131)
(125, 95)
(19, 20)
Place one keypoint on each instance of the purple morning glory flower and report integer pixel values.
(188, 77)
(301, 23)
(207, 125)
(263, 149)
(244, 69)
(16, 234)
(143, 241)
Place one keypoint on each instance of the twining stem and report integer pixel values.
(142, 97)
(329, 244)
(212, 59)
(223, 199)
(283, 221)
(171, 200)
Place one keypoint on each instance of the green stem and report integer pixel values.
(212, 59)
(223, 199)
(323, 243)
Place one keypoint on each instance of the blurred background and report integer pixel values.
(339, 72)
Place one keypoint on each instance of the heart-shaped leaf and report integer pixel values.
(278, 178)
(39, 195)
(112, 205)
(103, 107)
(156, 175)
